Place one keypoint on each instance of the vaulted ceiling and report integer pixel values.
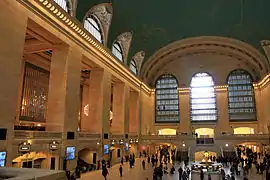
(158, 23)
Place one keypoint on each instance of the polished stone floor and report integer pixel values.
(137, 173)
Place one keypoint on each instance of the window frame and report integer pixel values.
(252, 96)
(118, 50)
(99, 29)
(134, 65)
(67, 5)
(208, 98)
(163, 76)
(34, 70)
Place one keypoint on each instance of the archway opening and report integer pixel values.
(87, 160)
(167, 132)
(204, 155)
(255, 147)
(243, 130)
(204, 132)
(40, 160)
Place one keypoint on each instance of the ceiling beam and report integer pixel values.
(34, 46)
(37, 36)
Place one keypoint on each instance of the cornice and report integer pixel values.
(49, 11)
(58, 18)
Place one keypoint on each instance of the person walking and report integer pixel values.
(202, 175)
(180, 171)
(105, 172)
(143, 164)
(121, 171)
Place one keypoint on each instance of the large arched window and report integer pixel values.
(203, 98)
(92, 26)
(167, 100)
(133, 67)
(117, 50)
(241, 96)
(63, 4)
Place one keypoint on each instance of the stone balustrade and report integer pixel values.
(242, 137)
(37, 135)
(158, 137)
(88, 136)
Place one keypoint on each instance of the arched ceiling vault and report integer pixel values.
(155, 24)
(242, 52)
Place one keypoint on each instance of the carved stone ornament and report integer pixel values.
(138, 58)
(266, 47)
(104, 14)
(125, 40)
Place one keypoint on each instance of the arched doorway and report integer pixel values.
(87, 160)
(204, 132)
(243, 130)
(167, 131)
(204, 155)
(40, 160)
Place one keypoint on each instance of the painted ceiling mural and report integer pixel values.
(155, 24)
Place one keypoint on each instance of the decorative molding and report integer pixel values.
(103, 12)
(206, 44)
(265, 43)
(59, 19)
(125, 40)
(138, 58)
(70, 7)
(266, 47)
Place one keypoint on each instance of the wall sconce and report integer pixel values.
(25, 147)
(226, 145)
(54, 145)
(121, 141)
(130, 141)
(184, 145)
(113, 142)
(137, 141)
(98, 143)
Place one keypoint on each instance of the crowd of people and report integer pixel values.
(240, 164)
(245, 160)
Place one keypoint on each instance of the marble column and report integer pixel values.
(99, 100)
(133, 112)
(223, 123)
(64, 98)
(13, 28)
(85, 106)
(64, 90)
(184, 110)
(120, 108)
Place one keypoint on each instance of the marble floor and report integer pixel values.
(137, 173)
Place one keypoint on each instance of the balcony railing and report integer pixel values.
(204, 141)
(243, 137)
(37, 135)
(88, 136)
(158, 137)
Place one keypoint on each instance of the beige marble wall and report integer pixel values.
(64, 96)
(13, 28)
(147, 113)
(223, 124)
(99, 100)
(184, 103)
(134, 112)
(262, 107)
(120, 108)
(64, 90)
